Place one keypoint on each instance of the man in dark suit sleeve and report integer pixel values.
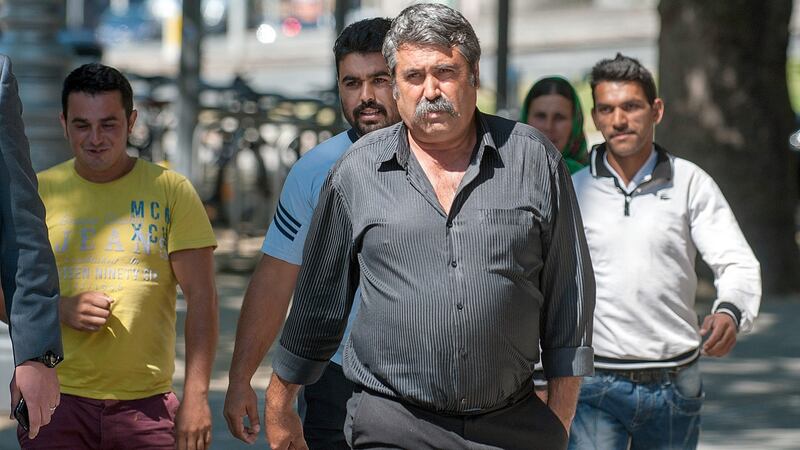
(27, 265)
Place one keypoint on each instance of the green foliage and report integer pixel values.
(487, 101)
(793, 82)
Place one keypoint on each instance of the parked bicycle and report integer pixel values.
(154, 131)
(245, 143)
(243, 146)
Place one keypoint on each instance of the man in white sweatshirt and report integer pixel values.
(646, 214)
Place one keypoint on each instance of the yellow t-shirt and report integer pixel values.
(116, 238)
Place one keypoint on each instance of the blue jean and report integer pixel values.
(613, 411)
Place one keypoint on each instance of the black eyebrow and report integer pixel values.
(84, 120)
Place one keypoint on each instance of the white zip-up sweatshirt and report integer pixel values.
(643, 246)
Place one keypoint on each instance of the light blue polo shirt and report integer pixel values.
(287, 232)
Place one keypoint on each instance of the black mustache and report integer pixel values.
(372, 104)
(621, 132)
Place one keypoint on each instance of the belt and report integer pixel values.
(523, 393)
(646, 376)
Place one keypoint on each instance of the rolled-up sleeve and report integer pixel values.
(326, 285)
(568, 285)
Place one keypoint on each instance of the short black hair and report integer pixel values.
(364, 36)
(96, 78)
(624, 68)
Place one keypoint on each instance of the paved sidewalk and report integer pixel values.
(753, 396)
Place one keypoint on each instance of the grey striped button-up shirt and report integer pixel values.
(454, 306)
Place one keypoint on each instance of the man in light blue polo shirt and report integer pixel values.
(366, 94)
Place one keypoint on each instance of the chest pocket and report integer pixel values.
(511, 241)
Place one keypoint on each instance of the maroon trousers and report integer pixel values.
(83, 423)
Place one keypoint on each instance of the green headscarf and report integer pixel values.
(574, 152)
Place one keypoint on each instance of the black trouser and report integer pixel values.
(324, 408)
(375, 421)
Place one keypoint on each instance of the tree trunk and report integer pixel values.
(722, 66)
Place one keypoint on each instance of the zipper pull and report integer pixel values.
(627, 205)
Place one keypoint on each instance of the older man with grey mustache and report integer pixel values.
(463, 232)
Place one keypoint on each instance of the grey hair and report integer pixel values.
(432, 24)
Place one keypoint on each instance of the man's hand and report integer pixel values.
(193, 424)
(87, 311)
(263, 310)
(241, 401)
(38, 385)
(284, 429)
(723, 334)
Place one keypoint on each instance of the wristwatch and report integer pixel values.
(49, 359)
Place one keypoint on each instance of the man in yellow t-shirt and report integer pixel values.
(125, 233)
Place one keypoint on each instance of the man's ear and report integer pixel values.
(63, 121)
(132, 120)
(594, 118)
(658, 110)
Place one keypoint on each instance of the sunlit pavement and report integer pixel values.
(753, 396)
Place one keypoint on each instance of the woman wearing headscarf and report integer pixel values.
(553, 107)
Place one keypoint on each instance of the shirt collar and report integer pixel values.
(645, 173)
(400, 150)
(352, 134)
(662, 171)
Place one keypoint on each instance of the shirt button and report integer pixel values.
(460, 306)
(463, 401)
(449, 224)
(453, 263)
